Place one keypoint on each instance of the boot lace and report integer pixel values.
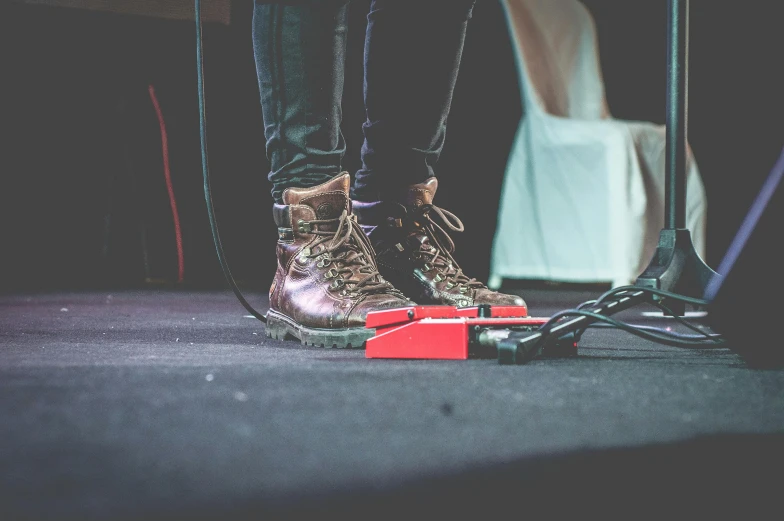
(435, 246)
(349, 251)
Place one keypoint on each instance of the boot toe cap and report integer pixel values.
(378, 302)
(494, 298)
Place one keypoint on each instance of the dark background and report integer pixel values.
(81, 156)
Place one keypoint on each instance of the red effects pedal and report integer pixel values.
(445, 332)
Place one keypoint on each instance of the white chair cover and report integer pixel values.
(583, 193)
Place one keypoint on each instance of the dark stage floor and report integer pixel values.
(173, 404)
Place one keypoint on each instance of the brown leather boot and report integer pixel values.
(327, 280)
(414, 252)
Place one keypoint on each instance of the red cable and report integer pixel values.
(169, 187)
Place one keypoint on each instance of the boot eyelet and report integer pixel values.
(304, 226)
(323, 262)
(337, 284)
(427, 267)
(331, 274)
(449, 285)
(438, 277)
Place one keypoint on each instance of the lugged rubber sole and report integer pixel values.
(281, 327)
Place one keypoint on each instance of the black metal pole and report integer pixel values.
(677, 113)
(676, 266)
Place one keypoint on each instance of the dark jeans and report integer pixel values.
(412, 55)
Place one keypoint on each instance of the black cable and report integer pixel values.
(671, 339)
(206, 173)
(659, 305)
(683, 336)
(680, 320)
(586, 304)
(659, 334)
(653, 291)
(622, 290)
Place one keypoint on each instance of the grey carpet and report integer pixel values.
(173, 404)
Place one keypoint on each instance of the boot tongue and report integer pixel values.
(328, 200)
(420, 194)
(415, 197)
